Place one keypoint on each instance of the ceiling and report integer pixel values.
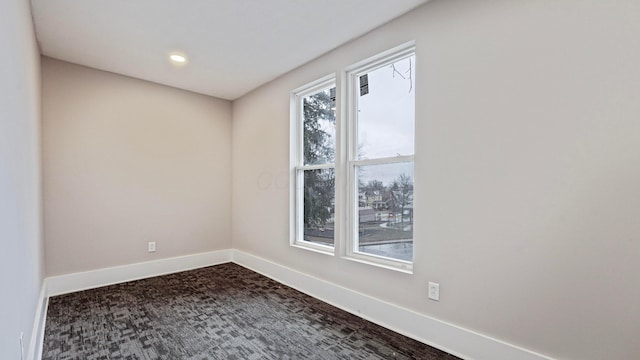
(233, 46)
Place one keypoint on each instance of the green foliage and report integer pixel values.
(319, 192)
(318, 148)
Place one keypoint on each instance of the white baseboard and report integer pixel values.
(63, 284)
(37, 333)
(453, 339)
(464, 343)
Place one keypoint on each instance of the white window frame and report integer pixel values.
(352, 74)
(298, 167)
(346, 193)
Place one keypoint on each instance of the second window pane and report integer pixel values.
(385, 210)
(319, 205)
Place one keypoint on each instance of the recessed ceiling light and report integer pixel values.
(177, 58)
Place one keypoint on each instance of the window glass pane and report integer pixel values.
(385, 210)
(386, 110)
(319, 127)
(319, 206)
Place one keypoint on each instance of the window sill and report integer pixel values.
(406, 268)
(326, 250)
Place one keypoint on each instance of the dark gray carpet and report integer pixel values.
(219, 312)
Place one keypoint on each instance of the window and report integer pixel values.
(313, 155)
(371, 152)
(381, 119)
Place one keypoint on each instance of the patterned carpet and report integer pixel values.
(219, 312)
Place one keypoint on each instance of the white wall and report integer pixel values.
(527, 170)
(21, 268)
(126, 162)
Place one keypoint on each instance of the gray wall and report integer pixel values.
(527, 169)
(21, 268)
(126, 162)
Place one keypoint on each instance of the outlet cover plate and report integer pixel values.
(434, 291)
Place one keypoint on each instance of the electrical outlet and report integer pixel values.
(152, 246)
(434, 291)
